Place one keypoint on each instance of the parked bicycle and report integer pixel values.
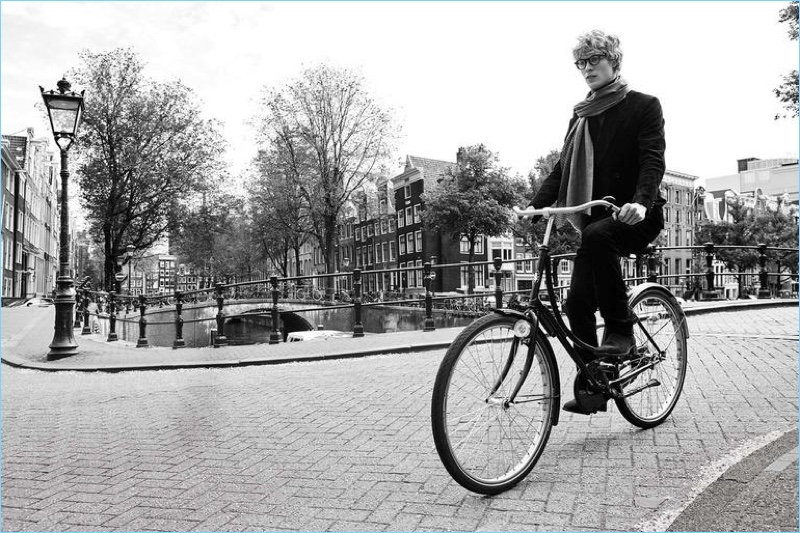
(497, 393)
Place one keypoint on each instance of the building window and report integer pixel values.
(384, 226)
(407, 191)
(391, 251)
(417, 216)
(369, 230)
(402, 244)
(378, 253)
(358, 234)
(418, 236)
(563, 266)
(410, 242)
(385, 252)
(409, 216)
(519, 266)
(418, 279)
(377, 228)
(400, 220)
(382, 205)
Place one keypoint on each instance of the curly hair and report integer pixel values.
(598, 41)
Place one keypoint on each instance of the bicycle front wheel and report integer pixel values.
(487, 441)
(650, 396)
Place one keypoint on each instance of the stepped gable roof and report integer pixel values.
(432, 169)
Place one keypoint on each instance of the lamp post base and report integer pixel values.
(63, 344)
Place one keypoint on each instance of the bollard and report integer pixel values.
(179, 343)
(709, 293)
(221, 338)
(763, 277)
(652, 271)
(498, 282)
(78, 302)
(86, 329)
(358, 328)
(142, 342)
(274, 335)
(112, 318)
(427, 277)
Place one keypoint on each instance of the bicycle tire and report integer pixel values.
(300, 294)
(512, 437)
(658, 314)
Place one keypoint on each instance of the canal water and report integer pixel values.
(251, 322)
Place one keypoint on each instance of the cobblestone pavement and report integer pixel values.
(346, 445)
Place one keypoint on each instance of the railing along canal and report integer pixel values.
(99, 310)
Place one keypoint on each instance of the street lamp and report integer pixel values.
(64, 109)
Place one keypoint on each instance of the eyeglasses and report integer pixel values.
(593, 61)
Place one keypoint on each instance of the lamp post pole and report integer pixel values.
(64, 109)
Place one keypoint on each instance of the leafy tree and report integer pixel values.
(329, 136)
(740, 232)
(564, 239)
(143, 149)
(217, 237)
(473, 201)
(787, 91)
(775, 229)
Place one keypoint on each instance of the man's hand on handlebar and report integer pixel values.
(631, 213)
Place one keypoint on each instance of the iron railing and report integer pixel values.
(299, 292)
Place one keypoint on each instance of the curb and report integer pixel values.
(111, 368)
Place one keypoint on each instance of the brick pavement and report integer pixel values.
(346, 445)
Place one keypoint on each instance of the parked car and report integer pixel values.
(39, 302)
(297, 336)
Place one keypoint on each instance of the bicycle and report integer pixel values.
(309, 293)
(497, 392)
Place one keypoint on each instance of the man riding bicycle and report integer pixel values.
(614, 147)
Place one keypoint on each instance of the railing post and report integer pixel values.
(429, 323)
(358, 328)
(652, 270)
(179, 342)
(220, 339)
(275, 336)
(142, 342)
(78, 302)
(709, 248)
(112, 318)
(763, 277)
(498, 282)
(86, 329)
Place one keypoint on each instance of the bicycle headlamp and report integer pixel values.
(522, 329)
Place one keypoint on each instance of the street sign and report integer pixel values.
(120, 276)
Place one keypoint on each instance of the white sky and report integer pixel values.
(457, 73)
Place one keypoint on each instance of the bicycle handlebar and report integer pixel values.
(547, 212)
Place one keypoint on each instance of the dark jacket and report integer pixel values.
(628, 142)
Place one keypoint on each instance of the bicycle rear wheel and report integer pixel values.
(661, 335)
(487, 444)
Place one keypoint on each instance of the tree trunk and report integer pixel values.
(297, 261)
(328, 255)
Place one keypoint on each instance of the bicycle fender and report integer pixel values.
(550, 356)
(638, 289)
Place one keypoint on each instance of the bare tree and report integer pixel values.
(280, 214)
(329, 136)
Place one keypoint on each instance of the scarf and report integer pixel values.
(577, 155)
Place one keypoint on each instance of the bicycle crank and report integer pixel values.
(652, 383)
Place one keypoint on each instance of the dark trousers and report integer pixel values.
(597, 276)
